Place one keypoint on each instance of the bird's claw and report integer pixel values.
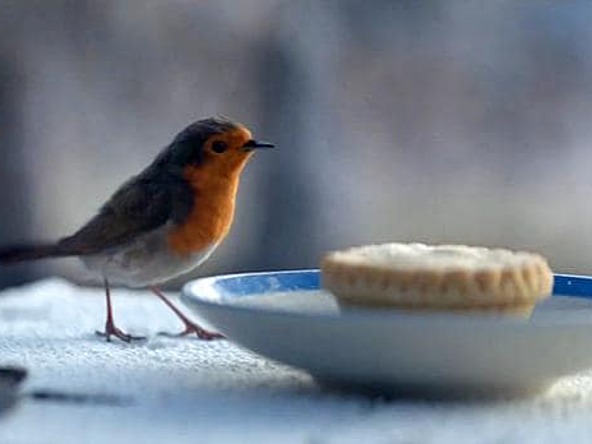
(191, 328)
(114, 331)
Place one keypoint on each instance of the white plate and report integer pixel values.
(285, 317)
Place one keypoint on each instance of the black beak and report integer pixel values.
(255, 144)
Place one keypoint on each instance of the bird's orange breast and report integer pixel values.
(213, 211)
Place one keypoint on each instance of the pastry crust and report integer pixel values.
(444, 277)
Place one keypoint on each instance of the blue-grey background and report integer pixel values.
(436, 121)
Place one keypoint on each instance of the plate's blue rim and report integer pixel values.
(572, 285)
(564, 285)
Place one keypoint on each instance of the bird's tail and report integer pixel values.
(19, 253)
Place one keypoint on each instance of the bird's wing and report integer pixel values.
(137, 207)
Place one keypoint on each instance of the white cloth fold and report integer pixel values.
(185, 390)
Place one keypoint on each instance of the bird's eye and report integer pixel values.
(219, 146)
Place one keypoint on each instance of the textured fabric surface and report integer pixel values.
(185, 390)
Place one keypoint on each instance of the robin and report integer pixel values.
(163, 222)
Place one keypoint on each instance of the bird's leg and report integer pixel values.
(110, 328)
(190, 327)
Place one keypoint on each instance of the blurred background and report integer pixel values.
(435, 121)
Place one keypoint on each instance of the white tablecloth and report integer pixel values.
(186, 390)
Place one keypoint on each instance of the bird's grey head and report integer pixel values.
(188, 146)
(212, 141)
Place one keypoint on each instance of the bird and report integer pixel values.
(164, 221)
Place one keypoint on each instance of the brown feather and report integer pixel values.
(19, 253)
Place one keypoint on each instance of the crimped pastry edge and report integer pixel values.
(441, 288)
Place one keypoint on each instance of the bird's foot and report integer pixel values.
(192, 328)
(112, 330)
